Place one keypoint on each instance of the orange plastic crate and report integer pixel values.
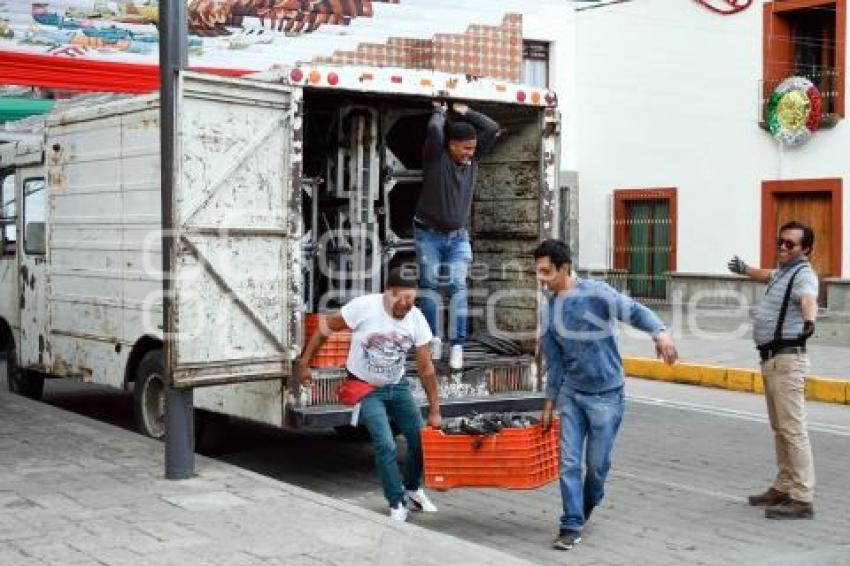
(334, 352)
(515, 458)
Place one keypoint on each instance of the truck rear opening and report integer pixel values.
(362, 175)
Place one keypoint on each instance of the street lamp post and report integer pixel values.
(179, 434)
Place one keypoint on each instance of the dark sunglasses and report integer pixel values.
(786, 243)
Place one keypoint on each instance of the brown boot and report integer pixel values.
(793, 509)
(769, 497)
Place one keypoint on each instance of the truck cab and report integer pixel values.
(23, 215)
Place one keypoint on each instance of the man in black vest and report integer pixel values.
(784, 320)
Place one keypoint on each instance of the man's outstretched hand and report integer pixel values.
(737, 265)
(665, 349)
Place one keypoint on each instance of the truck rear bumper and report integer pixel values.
(326, 416)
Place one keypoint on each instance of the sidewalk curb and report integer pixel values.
(825, 389)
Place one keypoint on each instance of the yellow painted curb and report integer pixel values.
(826, 389)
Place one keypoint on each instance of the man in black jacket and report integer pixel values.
(442, 215)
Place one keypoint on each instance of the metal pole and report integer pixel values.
(179, 418)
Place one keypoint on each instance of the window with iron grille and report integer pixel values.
(806, 38)
(645, 240)
(535, 63)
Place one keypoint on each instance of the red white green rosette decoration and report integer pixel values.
(794, 111)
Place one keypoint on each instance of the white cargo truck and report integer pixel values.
(295, 191)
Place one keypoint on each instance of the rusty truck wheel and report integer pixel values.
(23, 382)
(149, 393)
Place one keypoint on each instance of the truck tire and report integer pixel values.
(23, 382)
(149, 395)
(149, 400)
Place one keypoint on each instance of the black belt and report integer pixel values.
(419, 224)
(768, 353)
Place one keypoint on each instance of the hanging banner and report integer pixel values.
(114, 44)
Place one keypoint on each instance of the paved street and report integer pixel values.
(685, 459)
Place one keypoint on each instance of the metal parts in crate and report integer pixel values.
(485, 424)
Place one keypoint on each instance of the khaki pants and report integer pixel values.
(785, 389)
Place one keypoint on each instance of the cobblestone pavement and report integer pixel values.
(684, 462)
(74, 491)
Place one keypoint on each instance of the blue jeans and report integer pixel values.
(453, 250)
(591, 420)
(376, 409)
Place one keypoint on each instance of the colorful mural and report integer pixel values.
(113, 45)
(126, 30)
(212, 17)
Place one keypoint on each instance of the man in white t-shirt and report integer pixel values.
(384, 328)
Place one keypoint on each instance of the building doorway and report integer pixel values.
(817, 202)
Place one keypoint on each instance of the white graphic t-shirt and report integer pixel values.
(379, 342)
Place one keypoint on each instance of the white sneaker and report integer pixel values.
(398, 513)
(436, 348)
(420, 501)
(456, 357)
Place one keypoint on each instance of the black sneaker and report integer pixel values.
(566, 540)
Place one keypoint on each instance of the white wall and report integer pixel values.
(554, 21)
(668, 96)
(543, 20)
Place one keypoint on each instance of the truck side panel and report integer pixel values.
(141, 234)
(100, 224)
(258, 401)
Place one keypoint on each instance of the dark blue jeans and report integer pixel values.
(452, 250)
(376, 409)
(589, 423)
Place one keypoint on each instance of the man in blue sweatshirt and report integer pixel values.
(585, 377)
